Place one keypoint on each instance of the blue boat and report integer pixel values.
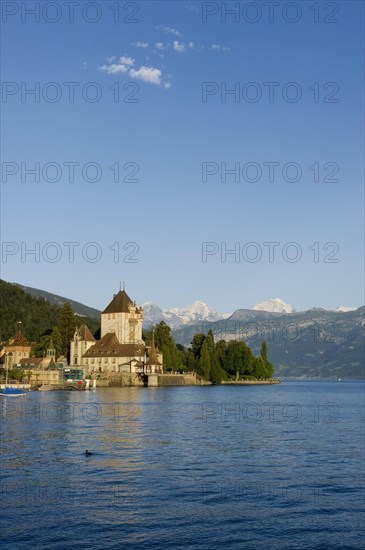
(12, 392)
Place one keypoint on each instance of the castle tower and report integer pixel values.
(51, 352)
(124, 318)
(82, 341)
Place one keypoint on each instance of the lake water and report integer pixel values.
(263, 467)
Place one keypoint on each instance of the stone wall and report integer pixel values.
(119, 380)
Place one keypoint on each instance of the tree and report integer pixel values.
(220, 351)
(204, 361)
(210, 342)
(263, 351)
(166, 343)
(269, 366)
(238, 359)
(197, 343)
(260, 370)
(191, 361)
(56, 339)
(67, 325)
(217, 374)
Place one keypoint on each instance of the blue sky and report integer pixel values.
(167, 133)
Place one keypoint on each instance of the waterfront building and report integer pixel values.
(121, 348)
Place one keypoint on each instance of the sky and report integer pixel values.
(188, 149)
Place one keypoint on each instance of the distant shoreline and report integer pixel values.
(249, 382)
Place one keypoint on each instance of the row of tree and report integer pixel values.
(212, 361)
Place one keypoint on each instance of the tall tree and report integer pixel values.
(56, 338)
(166, 343)
(263, 351)
(67, 325)
(204, 361)
(260, 370)
(197, 343)
(217, 374)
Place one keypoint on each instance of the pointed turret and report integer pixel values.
(119, 304)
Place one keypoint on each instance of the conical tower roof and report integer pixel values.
(85, 334)
(119, 303)
(152, 359)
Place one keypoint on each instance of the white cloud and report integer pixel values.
(147, 74)
(114, 68)
(140, 44)
(151, 75)
(169, 30)
(220, 48)
(191, 45)
(159, 45)
(179, 46)
(125, 63)
(126, 60)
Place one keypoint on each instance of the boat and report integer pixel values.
(11, 392)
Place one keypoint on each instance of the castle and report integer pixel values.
(121, 348)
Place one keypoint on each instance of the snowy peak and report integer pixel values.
(177, 317)
(198, 311)
(345, 309)
(154, 314)
(275, 305)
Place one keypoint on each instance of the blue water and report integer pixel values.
(270, 467)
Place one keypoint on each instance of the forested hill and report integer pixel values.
(55, 299)
(36, 314)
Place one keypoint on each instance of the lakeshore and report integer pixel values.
(127, 380)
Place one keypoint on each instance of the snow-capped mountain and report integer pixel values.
(275, 305)
(198, 311)
(176, 317)
(154, 314)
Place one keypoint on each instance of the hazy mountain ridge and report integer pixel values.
(312, 343)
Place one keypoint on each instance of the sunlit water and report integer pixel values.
(263, 467)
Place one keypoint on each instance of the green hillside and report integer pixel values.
(36, 314)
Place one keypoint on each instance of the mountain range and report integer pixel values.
(175, 317)
(316, 343)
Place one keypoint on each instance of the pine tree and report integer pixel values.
(263, 351)
(67, 324)
(166, 343)
(217, 374)
(56, 338)
(204, 361)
